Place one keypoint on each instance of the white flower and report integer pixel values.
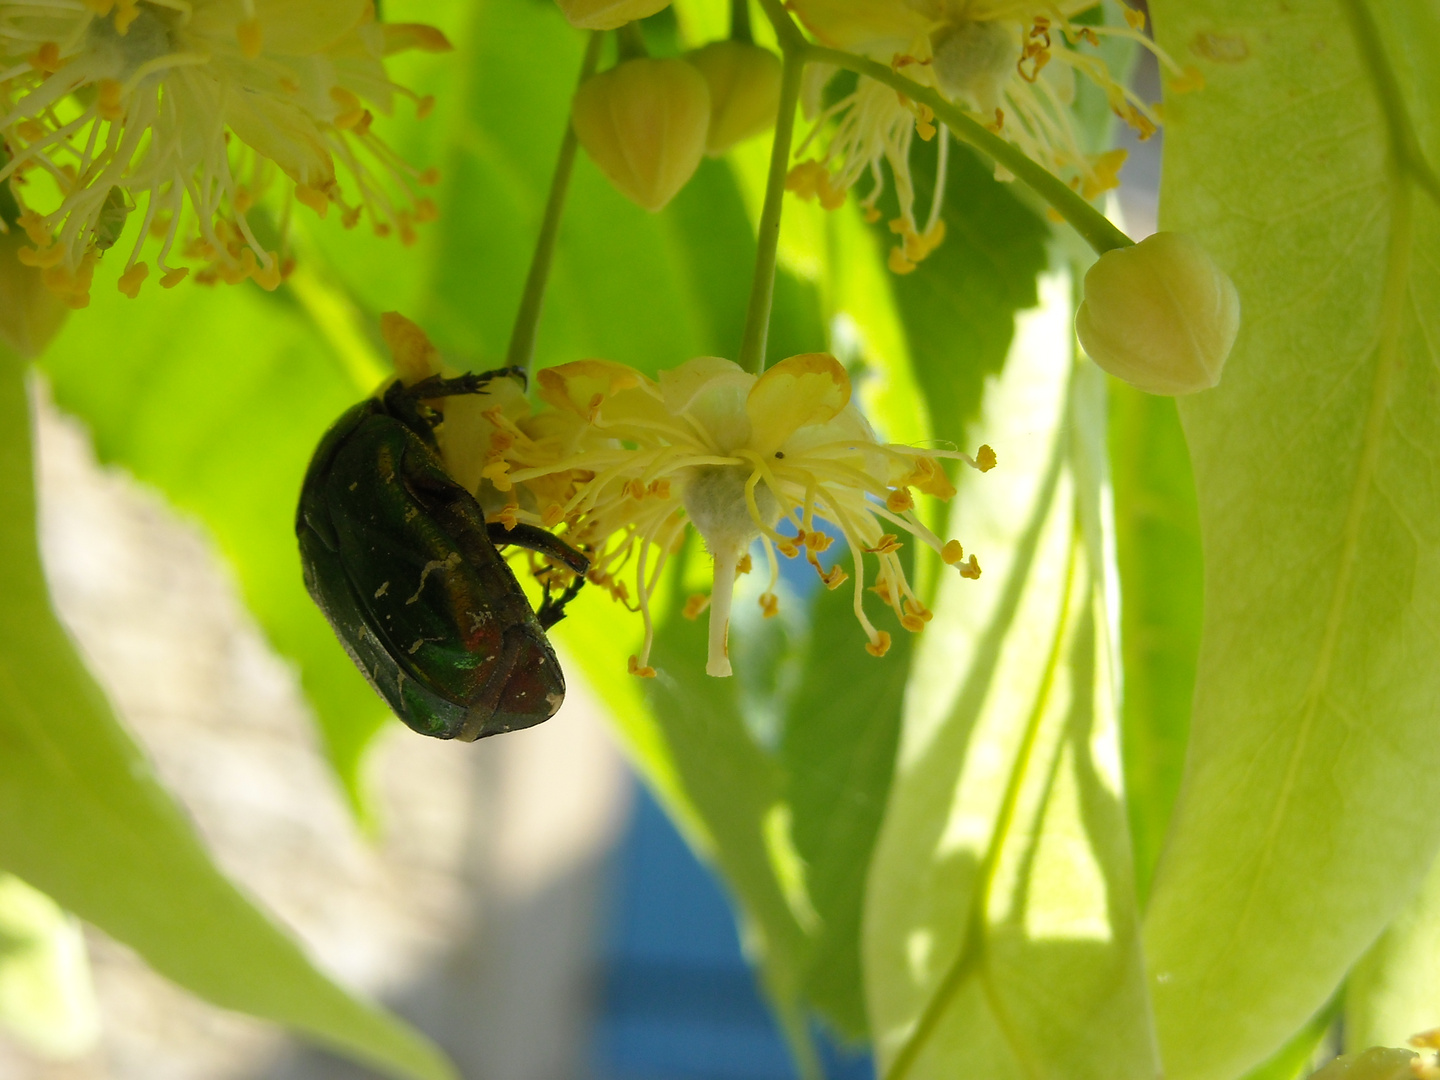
(626, 463)
(110, 107)
(1012, 63)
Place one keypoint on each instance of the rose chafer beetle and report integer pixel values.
(400, 559)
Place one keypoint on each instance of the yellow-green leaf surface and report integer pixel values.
(46, 1000)
(83, 819)
(1394, 992)
(1157, 541)
(1305, 821)
(1001, 932)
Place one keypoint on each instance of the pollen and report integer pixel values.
(899, 501)
(174, 277)
(639, 670)
(313, 198)
(695, 606)
(952, 552)
(985, 459)
(130, 281)
(888, 544)
(47, 58)
(971, 569)
(109, 100)
(769, 604)
(879, 645)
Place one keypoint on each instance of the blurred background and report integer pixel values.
(521, 899)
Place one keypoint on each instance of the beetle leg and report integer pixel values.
(437, 386)
(552, 610)
(534, 538)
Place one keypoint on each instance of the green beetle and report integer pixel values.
(400, 559)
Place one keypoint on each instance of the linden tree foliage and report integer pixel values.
(85, 820)
(1306, 166)
(1006, 848)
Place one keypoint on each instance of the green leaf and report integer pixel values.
(46, 1000)
(837, 749)
(1157, 540)
(1001, 934)
(1296, 838)
(218, 397)
(958, 305)
(1305, 1048)
(83, 819)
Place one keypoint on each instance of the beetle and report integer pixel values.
(401, 561)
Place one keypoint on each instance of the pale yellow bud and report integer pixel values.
(744, 82)
(30, 314)
(643, 123)
(608, 14)
(1161, 315)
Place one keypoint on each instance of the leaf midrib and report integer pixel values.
(1410, 170)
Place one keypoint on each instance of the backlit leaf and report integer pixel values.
(1300, 832)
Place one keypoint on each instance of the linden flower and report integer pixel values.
(1013, 63)
(626, 463)
(105, 101)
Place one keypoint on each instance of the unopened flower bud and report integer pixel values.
(744, 82)
(643, 123)
(30, 313)
(608, 14)
(1161, 315)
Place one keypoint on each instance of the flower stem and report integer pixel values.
(762, 285)
(521, 351)
(1088, 222)
(740, 22)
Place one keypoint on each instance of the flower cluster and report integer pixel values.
(1014, 63)
(199, 107)
(624, 465)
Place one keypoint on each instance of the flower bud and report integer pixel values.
(1160, 315)
(744, 82)
(30, 314)
(643, 123)
(608, 14)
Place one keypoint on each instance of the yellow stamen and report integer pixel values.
(130, 281)
(639, 670)
(108, 99)
(695, 606)
(880, 645)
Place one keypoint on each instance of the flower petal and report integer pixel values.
(582, 386)
(285, 134)
(711, 392)
(287, 27)
(811, 388)
(869, 26)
